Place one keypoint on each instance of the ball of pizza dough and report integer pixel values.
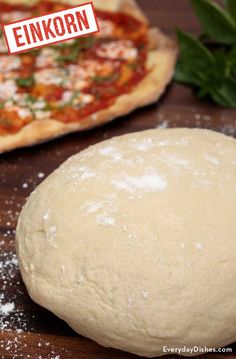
(133, 241)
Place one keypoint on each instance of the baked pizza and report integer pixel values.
(84, 82)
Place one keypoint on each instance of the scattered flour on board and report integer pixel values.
(16, 320)
(164, 124)
(6, 309)
(15, 347)
(11, 317)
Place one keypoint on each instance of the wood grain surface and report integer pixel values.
(30, 331)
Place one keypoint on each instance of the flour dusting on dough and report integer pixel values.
(105, 220)
(52, 235)
(81, 173)
(111, 152)
(173, 160)
(164, 143)
(148, 182)
(46, 216)
(211, 159)
(145, 145)
(198, 245)
(91, 207)
(145, 294)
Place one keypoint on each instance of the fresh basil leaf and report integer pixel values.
(104, 79)
(65, 45)
(219, 99)
(228, 90)
(69, 52)
(73, 97)
(71, 57)
(1, 105)
(226, 94)
(214, 75)
(81, 43)
(216, 22)
(231, 61)
(203, 92)
(220, 68)
(187, 74)
(193, 61)
(193, 51)
(25, 82)
(31, 98)
(203, 37)
(231, 7)
(233, 70)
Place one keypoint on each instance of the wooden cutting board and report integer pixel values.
(30, 331)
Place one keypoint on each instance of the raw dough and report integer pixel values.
(133, 241)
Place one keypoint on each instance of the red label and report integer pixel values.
(50, 29)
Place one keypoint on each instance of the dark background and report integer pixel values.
(30, 331)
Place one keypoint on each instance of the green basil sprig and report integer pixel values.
(212, 73)
(231, 7)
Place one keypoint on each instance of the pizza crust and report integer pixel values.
(161, 63)
(126, 6)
